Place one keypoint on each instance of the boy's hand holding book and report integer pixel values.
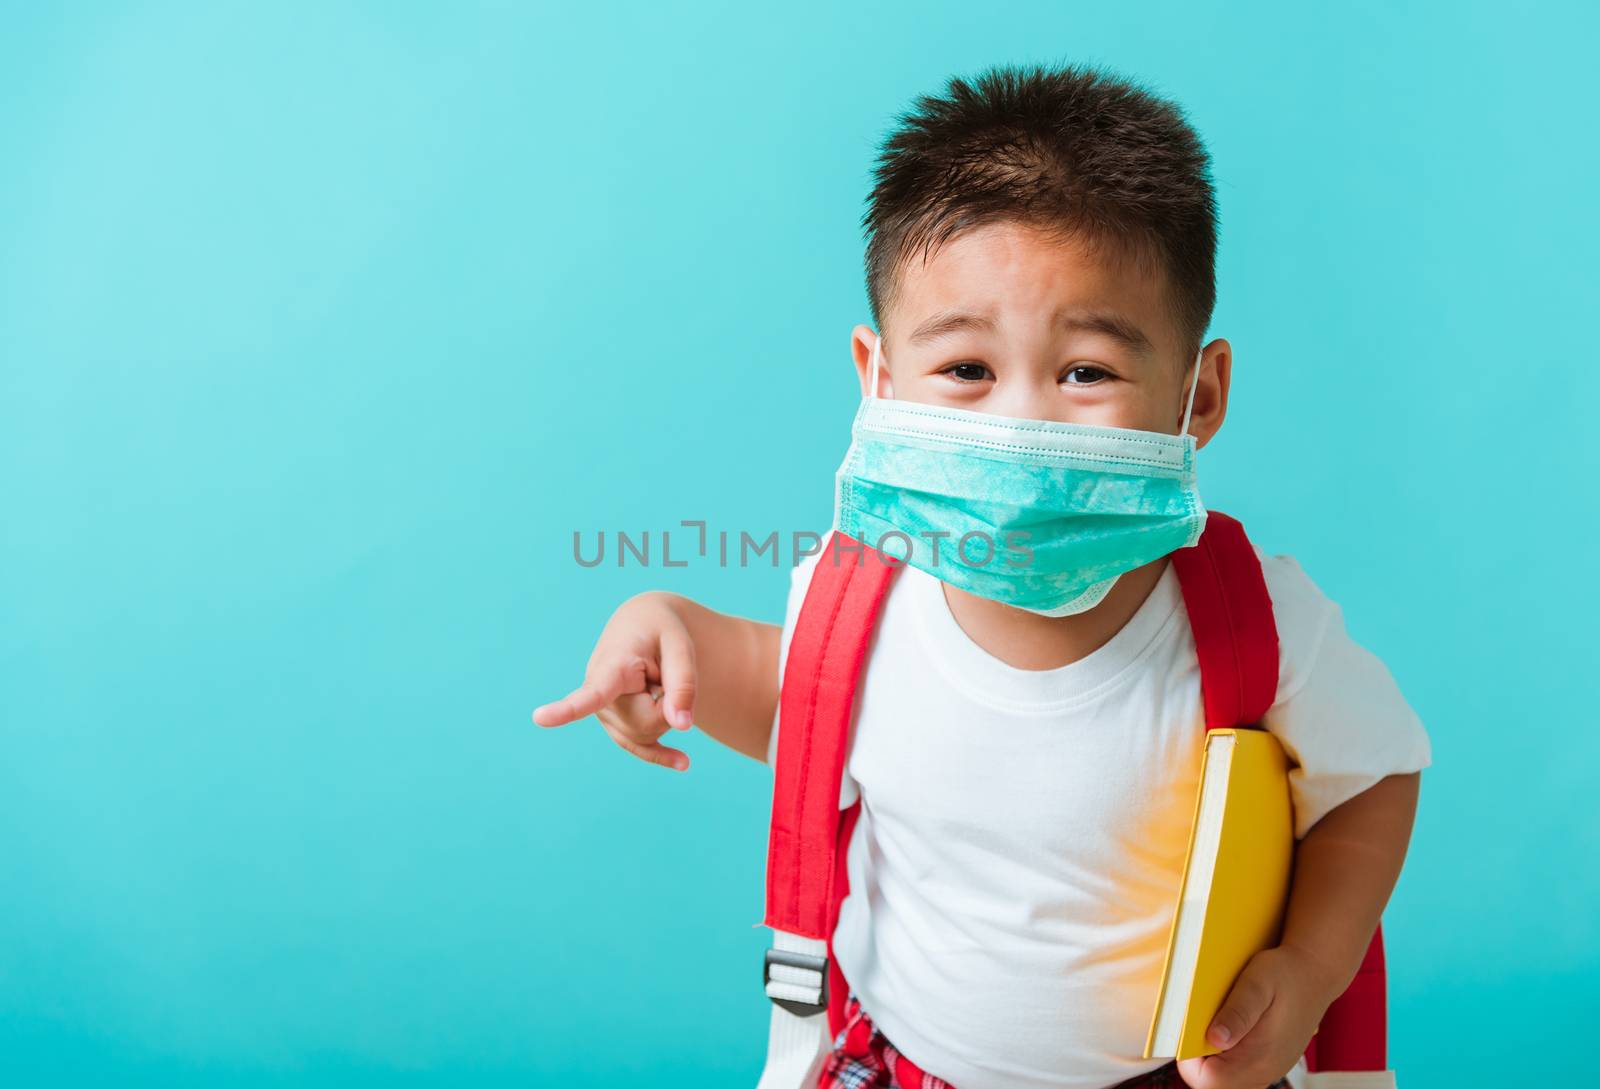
(1267, 1020)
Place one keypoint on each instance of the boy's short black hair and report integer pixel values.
(1072, 150)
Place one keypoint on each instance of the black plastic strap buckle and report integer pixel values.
(808, 961)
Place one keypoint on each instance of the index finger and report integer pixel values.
(581, 702)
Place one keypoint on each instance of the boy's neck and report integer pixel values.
(1027, 640)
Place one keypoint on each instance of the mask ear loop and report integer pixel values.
(1188, 409)
(877, 353)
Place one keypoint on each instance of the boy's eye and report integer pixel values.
(1085, 375)
(967, 372)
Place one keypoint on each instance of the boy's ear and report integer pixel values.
(861, 340)
(1211, 398)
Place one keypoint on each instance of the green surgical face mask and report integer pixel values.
(1041, 515)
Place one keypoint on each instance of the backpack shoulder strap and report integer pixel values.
(1230, 614)
(1236, 641)
(826, 651)
(806, 876)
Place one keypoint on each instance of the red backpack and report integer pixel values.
(1236, 642)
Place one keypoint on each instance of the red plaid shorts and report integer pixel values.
(863, 1058)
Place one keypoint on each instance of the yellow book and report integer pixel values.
(1235, 886)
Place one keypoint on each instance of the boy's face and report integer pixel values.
(1006, 320)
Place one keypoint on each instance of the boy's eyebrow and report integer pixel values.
(1112, 325)
(946, 322)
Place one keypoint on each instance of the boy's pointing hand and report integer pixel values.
(640, 682)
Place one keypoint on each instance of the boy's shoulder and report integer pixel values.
(1297, 601)
(800, 572)
(1329, 682)
(1306, 618)
(1339, 712)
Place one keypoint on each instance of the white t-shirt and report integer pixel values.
(1016, 863)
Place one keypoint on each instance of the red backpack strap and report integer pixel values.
(1354, 1030)
(838, 986)
(805, 856)
(1230, 614)
(1236, 641)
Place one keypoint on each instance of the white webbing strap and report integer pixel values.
(797, 1046)
(1301, 1078)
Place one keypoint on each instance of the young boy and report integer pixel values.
(1041, 248)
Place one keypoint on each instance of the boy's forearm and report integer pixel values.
(1344, 870)
(736, 667)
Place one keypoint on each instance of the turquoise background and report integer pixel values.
(323, 327)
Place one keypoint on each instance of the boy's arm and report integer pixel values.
(1345, 867)
(736, 675)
